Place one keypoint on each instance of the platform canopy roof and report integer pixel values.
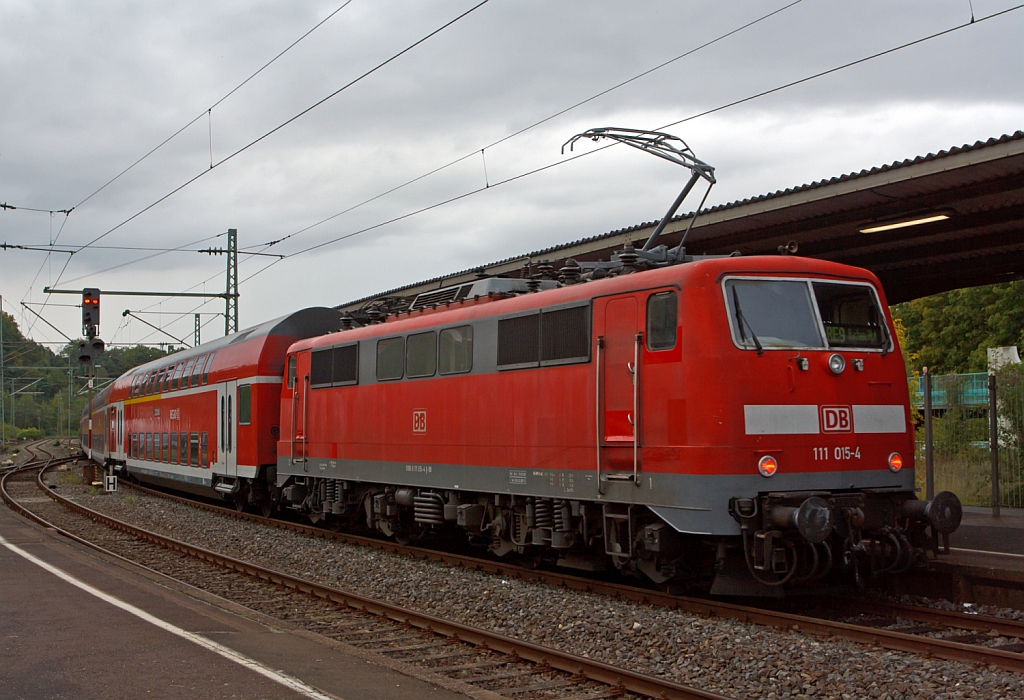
(973, 194)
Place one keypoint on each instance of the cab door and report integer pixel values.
(618, 328)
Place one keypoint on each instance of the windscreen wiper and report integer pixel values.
(743, 322)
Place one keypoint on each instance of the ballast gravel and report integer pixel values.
(725, 656)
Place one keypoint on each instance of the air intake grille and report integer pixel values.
(518, 340)
(565, 335)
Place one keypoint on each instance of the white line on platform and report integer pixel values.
(284, 679)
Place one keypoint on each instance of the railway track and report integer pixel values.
(925, 631)
(486, 664)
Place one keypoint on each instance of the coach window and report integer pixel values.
(204, 446)
(168, 377)
(183, 443)
(291, 371)
(455, 350)
(390, 358)
(421, 354)
(174, 448)
(165, 451)
(662, 310)
(197, 371)
(244, 405)
(183, 383)
(149, 447)
(135, 446)
(177, 375)
(206, 368)
(193, 450)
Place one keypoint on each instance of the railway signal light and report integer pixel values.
(90, 311)
(89, 350)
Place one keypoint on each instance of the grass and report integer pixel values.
(68, 478)
(968, 474)
(131, 500)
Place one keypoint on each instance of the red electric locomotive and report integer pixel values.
(744, 416)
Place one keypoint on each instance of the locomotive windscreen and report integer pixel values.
(772, 313)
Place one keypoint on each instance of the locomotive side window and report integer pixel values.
(206, 368)
(662, 321)
(456, 350)
(421, 357)
(320, 368)
(565, 335)
(174, 448)
(519, 341)
(291, 371)
(390, 358)
(768, 313)
(244, 404)
(851, 315)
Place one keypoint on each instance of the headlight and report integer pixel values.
(895, 462)
(767, 466)
(836, 363)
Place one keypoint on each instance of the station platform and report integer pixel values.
(979, 530)
(985, 564)
(153, 637)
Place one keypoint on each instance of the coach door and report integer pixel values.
(228, 434)
(617, 326)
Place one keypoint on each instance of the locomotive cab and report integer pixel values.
(826, 423)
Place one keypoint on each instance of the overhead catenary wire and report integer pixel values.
(208, 111)
(285, 123)
(733, 103)
(535, 124)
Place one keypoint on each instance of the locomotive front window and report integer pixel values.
(661, 321)
(421, 359)
(456, 350)
(851, 316)
(772, 314)
(390, 358)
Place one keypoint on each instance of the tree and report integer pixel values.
(952, 331)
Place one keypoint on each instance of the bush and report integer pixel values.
(29, 434)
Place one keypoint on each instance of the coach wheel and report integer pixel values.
(241, 496)
(267, 507)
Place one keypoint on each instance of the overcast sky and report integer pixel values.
(87, 88)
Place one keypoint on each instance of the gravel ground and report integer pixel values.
(725, 656)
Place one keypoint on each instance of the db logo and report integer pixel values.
(836, 419)
(419, 421)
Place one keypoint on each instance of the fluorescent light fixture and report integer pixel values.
(904, 224)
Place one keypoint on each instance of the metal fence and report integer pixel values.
(971, 427)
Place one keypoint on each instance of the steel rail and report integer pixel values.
(582, 668)
(888, 639)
